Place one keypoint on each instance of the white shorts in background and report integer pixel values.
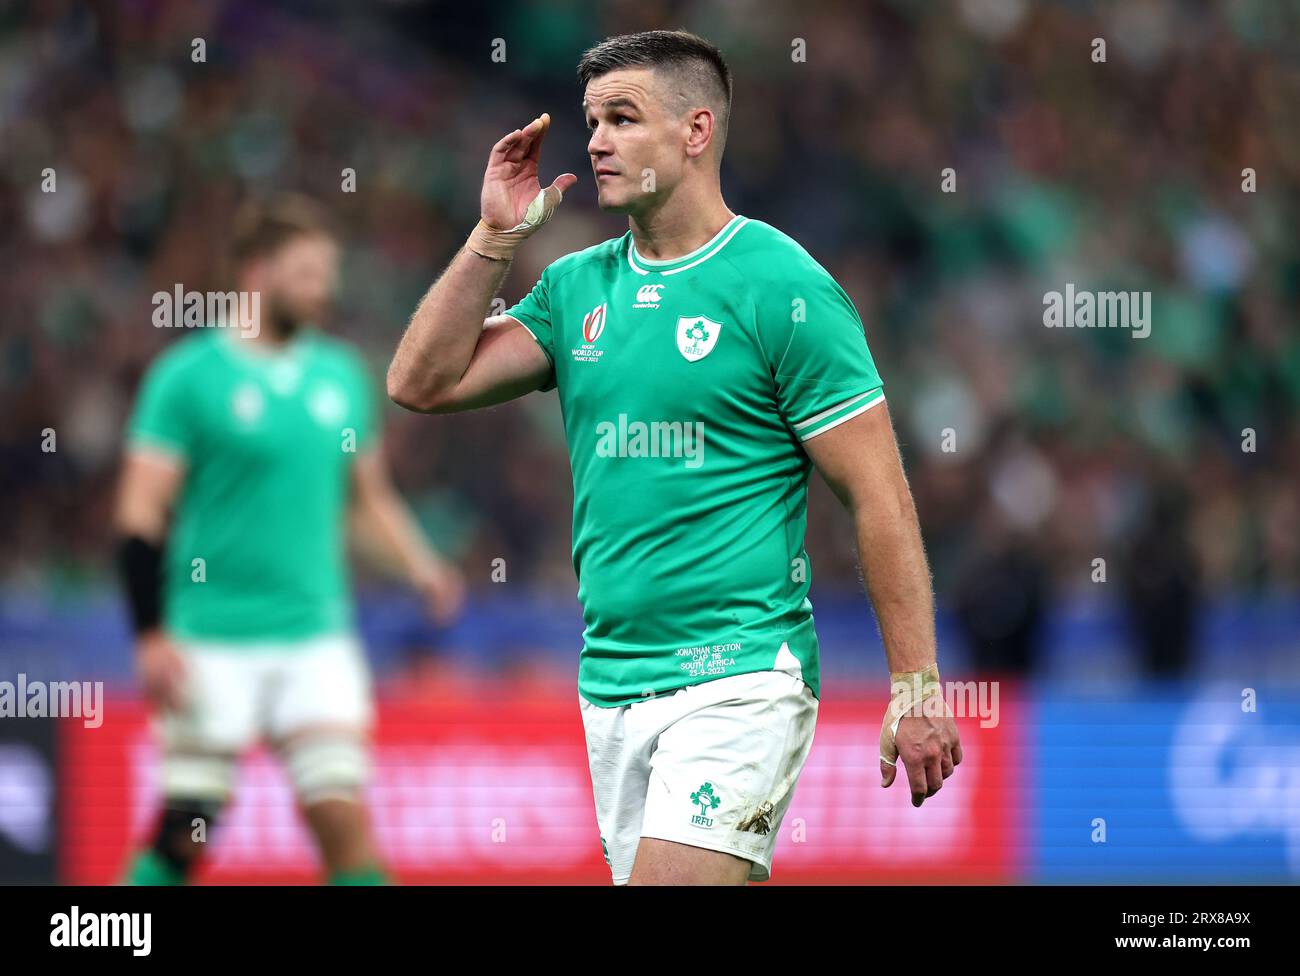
(237, 694)
(712, 765)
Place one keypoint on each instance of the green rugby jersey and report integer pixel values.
(268, 439)
(687, 387)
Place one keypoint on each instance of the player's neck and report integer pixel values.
(679, 228)
(263, 341)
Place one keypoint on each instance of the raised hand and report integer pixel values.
(513, 203)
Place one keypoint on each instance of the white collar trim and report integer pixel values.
(700, 254)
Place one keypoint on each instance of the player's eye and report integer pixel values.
(622, 118)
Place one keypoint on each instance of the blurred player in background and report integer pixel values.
(250, 445)
(704, 363)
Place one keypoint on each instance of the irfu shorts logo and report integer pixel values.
(707, 801)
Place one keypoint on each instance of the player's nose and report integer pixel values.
(598, 145)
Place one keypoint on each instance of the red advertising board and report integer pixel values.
(498, 791)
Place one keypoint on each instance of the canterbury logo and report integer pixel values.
(594, 324)
(648, 293)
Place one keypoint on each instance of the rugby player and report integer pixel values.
(704, 363)
(248, 451)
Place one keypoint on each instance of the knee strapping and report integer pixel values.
(326, 766)
(208, 779)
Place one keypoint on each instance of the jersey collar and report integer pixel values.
(269, 356)
(645, 266)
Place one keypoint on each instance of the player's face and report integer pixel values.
(637, 145)
(300, 279)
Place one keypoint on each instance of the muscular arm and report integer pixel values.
(859, 460)
(389, 534)
(451, 358)
(147, 492)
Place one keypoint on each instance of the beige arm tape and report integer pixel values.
(908, 690)
(500, 245)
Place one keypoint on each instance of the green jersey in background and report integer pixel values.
(256, 550)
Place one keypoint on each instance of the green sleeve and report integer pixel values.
(164, 414)
(365, 416)
(822, 367)
(533, 312)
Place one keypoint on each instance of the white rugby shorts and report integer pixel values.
(712, 765)
(236, 694)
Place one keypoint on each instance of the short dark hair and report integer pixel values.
(699, 72)
(262, 227)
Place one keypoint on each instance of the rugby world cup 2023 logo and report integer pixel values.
(594, 323)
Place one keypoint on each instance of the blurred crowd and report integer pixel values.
(1033, 452)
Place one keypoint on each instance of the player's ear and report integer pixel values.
(700, 123)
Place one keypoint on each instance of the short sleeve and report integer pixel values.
(533, 312)
(824, 374)
(164, 415)
(365, 415)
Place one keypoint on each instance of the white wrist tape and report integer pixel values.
(909, 690)
(499, 245)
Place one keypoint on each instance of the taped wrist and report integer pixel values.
(909, 691)
(499, 245)
(140, 563)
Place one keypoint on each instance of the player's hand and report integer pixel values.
(929, 748)
(511, 183)
(443, 588)
(161, 670)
